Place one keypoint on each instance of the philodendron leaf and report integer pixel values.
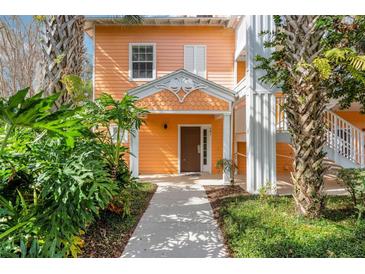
(36, 112)
(17, 98)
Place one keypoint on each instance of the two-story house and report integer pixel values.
(196, 76)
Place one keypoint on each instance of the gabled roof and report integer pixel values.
(182, 80)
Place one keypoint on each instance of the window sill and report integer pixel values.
(141, 79)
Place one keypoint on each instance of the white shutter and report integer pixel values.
(200, 61)
(195, 60)
(189, 58)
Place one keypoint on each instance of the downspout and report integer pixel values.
(233, 141)
(94, 58)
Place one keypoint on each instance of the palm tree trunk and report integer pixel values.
(305, 106)
(64, 51)
(305, 118)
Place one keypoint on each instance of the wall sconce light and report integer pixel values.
(165, 125)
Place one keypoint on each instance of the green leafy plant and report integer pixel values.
(265, 191)
(71, 187)
(227, 165)
(58, 170)
(354, 180)
(77, 89)
(125, 115)
(36, 112)
(54, 179)
(105, 113)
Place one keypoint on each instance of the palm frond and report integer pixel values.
(358, 62)
(346, 56)
(128, 19)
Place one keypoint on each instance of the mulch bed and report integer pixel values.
(215, 196)
(108, 237)
(217, 193)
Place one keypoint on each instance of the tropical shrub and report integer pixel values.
(227, 165)
(65, 192)
(54, 176)
(106, 112)
(354, 180)
(36, 113)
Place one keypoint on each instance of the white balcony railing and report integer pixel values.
(343, 137)
(281, 123)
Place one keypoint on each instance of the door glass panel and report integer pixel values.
(205, 146)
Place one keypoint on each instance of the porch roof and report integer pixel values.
(226, 21)
(183, 80)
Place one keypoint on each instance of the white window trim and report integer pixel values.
(124, 135)
(205, 58)
(153, 65)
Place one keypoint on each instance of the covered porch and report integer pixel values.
(188, 127)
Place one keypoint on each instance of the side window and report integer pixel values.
(142, 62)
(195, 59)
(113, 131)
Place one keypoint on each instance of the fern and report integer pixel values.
(358, 62)
(346, 56)
(337, 55)
(323, 66)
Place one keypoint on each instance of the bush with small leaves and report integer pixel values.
(354, 180)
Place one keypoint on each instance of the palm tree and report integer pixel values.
(64, 50)
(306, 100)
(297, 42)
(314, 56)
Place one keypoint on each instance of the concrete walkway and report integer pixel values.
(178, 223)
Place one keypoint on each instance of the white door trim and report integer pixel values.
(208, 169)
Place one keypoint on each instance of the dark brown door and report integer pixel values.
(190, 149)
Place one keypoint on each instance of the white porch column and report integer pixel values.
(134, 153)
(260, 112)
(227, 145)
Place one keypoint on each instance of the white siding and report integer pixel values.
(240, 37)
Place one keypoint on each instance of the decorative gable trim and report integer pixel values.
(181, 83)
(180, 87)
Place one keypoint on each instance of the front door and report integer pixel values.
(190, 149)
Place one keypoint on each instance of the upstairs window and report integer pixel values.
(195, 59)
(142, 61)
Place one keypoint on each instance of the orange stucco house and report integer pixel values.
(196, 77)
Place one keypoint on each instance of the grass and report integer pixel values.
(269, 227)
(109, 235)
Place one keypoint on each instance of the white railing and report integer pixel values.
(343, 137)
(281, 123)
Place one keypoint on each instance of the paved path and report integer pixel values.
(178, 223)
